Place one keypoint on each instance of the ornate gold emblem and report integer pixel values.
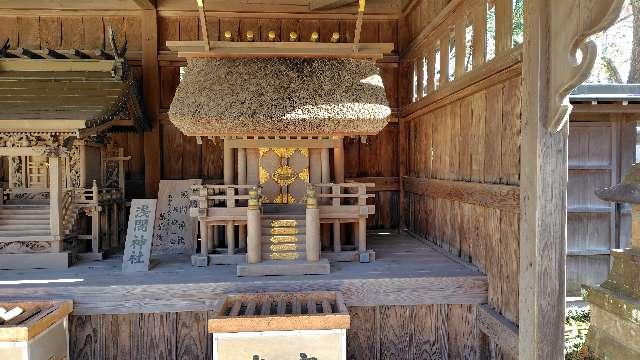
(284, 231)
(280, 199)
(284, 175)
(284, 256)
(280, 239)
(283, 247)
(304, 175)
(284, 223)
(264, 175)
(284, 152)
(263, 151)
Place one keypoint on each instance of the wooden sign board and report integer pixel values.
(175, 230)
(137, 249)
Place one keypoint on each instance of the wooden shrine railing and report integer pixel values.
(345, 203)
(468, 37)
(218, 196)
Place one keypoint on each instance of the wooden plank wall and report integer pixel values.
(460, 148)
(601, 150)
(181, 157)
(392, 332)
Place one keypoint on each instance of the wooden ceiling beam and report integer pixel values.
(318, 5)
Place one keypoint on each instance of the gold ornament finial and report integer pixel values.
(254, 199)
(227, 35)
(314, 36)
(335, 37)
(312, 201)
(293, 36)
(250, 35)
(271, 35)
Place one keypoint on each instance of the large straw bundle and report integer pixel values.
(280, 96)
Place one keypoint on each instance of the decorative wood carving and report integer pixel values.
(572, 22)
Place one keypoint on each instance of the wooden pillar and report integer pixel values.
(337, 239)
(55, 197)
(254, 229)
(204, 238)
(312, 236)
(151, 96)
(231, 241)
(114, 225)
(82, 151)
(242, 180)
(362, 221)
(95, 221)
(228, 163)
(338, 162)
(550, 71)
(338, 173)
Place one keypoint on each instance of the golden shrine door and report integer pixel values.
(284, 174)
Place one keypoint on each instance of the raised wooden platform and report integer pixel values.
(406, 272)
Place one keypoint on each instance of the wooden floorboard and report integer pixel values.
(406, 272)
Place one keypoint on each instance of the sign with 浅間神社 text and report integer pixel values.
(137, 249)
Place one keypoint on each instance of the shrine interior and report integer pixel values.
(159, 155)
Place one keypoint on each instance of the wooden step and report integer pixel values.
(25, 233)
(25, 227)
(29, 222)
(25, 237)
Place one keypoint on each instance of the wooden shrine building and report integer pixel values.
(56, 113)
(410, 154)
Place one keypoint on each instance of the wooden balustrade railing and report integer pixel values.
(466, 35)
(339, 194)
(219, 195)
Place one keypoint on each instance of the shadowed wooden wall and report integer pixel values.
(390, 332)
(460, 99)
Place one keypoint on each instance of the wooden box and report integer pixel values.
(36, 335)
(283, 326)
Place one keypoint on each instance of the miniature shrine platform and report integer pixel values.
(406, 271)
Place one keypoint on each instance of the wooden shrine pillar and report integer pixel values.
(550, 71)
(242, 180)
(151, 97)
(338, 175)
(325, 178)
(228, 163)
(56, 198)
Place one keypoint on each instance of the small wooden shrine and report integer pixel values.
(282, 114)
(63, 181)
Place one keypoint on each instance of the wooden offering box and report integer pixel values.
(280, 326)
(40, 332)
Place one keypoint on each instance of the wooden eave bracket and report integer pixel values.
(572, 22)
(228, 49)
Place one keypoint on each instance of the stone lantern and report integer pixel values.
(614, 332)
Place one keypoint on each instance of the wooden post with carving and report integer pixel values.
(554, 30)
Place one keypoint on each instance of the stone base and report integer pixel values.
(284, 267)
(615, 304)
(58, 260)
(612, 337)
(91, 256)
(347, 256)
(218, 259)
(199, 260)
